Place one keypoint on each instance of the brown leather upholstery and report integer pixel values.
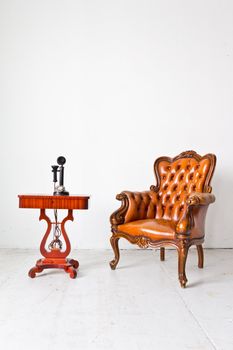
(145, 206)
(152, 228)
(178, 180)
(172, 211)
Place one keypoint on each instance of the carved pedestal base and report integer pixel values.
(55, 258)
(68, 265)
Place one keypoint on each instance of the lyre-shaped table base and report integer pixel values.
(56, 258)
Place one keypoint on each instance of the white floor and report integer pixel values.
(138, 306)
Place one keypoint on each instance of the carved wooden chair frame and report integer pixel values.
(182, 241)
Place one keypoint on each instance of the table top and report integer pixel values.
(44, 201)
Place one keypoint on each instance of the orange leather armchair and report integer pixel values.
(172, 213)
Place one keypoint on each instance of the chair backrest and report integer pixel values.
(177, 178)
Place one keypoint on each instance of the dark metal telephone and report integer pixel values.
(59, 189)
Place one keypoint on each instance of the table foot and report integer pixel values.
(71, 270)
(68, 265)
(32, 272)
(73, 262)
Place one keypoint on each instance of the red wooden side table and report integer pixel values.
(55, 257)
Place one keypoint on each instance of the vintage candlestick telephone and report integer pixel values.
(59, 189)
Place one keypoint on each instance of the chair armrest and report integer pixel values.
(196, 198)
(134, 206)
(186, 222)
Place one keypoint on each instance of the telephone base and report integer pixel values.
(63, 193)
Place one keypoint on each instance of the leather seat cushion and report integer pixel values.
(152, 228)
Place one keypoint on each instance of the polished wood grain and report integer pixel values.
(54, 257)
(53, 202)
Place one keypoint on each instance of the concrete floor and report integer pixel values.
(138, 306)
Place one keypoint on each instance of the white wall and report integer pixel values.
(111, 85)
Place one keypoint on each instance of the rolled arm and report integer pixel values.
(134, 206)
(186, 222)
(196, 198)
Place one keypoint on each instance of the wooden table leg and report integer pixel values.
(55, 258)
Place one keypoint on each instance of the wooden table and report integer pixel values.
(54, 256)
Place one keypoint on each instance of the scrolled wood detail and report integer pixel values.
(146, 242)
(55, 253)
(194, 200)
(118, 217)
(182, 246)
(114, 243)
(187, 154)
(45, 217)
(143, 242)
(181, 194)
(154, 188)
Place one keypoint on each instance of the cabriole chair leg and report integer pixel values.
(182, 257)
(162, 253)
(114, 243)
(200, 256)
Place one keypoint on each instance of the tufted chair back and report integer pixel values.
(177, 178)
